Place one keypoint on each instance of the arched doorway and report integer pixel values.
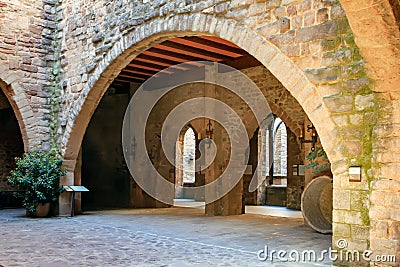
(296, 82)
(11, 146)
(189, 154)
(156, 58)
(185, 165)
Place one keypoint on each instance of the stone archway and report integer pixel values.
(11, 145)
(281, 66)
(185, 161)
(20, 105)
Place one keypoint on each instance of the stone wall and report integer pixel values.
(28, 73)
(306, 44)
(297, 27)
(295, 183)
(104, 171)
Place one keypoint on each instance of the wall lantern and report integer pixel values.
(313, 139)
(209, 131)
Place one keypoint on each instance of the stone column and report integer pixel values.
(78, 181)
(139, 198)
(295, 183)
(179, 192)
(255, 197)
(64, 201)
(231, 203)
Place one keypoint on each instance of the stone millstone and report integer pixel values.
(316, 204)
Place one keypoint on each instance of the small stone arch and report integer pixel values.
(22, 110)
(133, 43)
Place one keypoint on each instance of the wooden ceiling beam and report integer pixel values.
(194, 40)
(243, 62)
(164, 54)
(120, 79)
(196, 51)
(139, 71)
(136, 76)
(156, 60)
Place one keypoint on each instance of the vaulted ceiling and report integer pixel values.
(186, 49)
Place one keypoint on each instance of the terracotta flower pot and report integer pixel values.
(40, 212)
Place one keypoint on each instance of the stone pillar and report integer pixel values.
(179, 192)
(270, 145)
(138, 197)
(385, 218)
(64, 201)
(78, 181)
(253, 198)
(295, 183)
(231, 203)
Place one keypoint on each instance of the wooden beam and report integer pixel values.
(139, 71)
(156, 60)
(149, 68)
(219, 40)
(199, 51)
(136, 77)
(210, 45)
(164, 54)
(120, 79)
(243, 62)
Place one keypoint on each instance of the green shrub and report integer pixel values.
(37, 175)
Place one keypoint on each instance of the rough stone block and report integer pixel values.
(323, 75)
(379, 213)
(309, 18)
(340, 229)
(339, 103)
(394, 230)
(324, 30)
(379, 229)
(364, 102)
(360, 232)
(341, 199)
(347, 217)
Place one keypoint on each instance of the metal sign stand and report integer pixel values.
(73, 189)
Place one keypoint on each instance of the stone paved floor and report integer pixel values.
(175, 237)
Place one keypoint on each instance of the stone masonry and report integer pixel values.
(338, 59)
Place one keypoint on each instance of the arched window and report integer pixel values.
(189, 154)
(280, 148)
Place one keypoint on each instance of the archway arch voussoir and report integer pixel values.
(22, 110)
(132, 43)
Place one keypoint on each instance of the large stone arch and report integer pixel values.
(17, 98)
(142, 37)
(337, 117)
(376, 27)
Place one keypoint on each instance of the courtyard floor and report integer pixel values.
(175, 237)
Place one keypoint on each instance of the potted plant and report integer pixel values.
(37, 175)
